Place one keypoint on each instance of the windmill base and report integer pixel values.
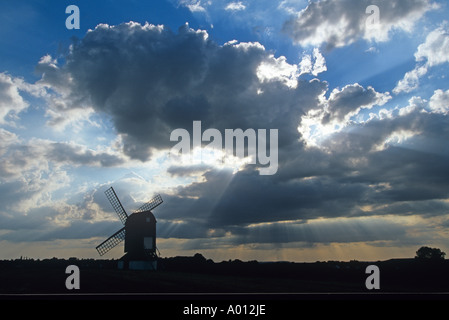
(137, 265)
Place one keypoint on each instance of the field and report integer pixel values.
(196, 275)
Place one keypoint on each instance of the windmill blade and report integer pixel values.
(111, 242)
(153, 203)
(116, 204)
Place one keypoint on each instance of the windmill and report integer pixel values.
(139, 234)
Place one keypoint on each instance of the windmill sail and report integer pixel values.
(116, 204)
(153, 203)
(111, 242)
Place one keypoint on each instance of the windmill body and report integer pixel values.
(139, 234)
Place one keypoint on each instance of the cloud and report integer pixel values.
(235, 6)
(349, 100)
(325, 231)
(31, 215)
(314, 65)
(435, 50)
(439, 102)
(410, 81)
(59, 152)
(350, 179)
(38, 155)
(356, 173)
(19, 158)
(51, 76)
(431, 53)
(62, 108)
(77, 229)
(35, 173)
(193, 5)
(278, 69)
(11, 102)
(335, 113)
(340, 23)
(150, 81)
(7, 139)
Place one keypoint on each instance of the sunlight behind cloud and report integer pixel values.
(278, 69)
(210, 158)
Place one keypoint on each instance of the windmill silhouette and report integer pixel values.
(139, 234)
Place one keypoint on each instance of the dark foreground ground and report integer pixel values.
(196, 275)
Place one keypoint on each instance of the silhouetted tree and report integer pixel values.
(430, 253)
(198, 257)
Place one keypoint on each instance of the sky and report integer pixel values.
(357, 91)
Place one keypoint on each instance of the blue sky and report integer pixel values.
(362, 115)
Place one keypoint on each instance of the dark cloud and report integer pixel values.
(342, 231)
(78, 229)
(39, 218)
(419, 161)
(249, 199)
(225, 200)
(185, 230)
(350, 174)
(351, 99)
(150, 81)
(79, 155)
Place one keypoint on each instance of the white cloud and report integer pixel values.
(235, 6)
(439, 102)
(53, 88)
(193, 5)
(60, 116)
(415, 103)
(11, 102)
(433, 52)
(410, 81)
(62, 108)
(314, 65)
(37, 178)
(372, 50)
(37, 156)
(278, 69)
(320, 62)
